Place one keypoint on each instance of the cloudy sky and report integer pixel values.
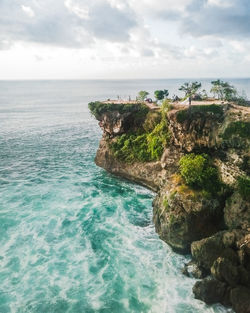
(42, 39)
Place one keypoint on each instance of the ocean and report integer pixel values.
(74, 238)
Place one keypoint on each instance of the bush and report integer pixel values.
(142, 147)
(97, 108)
(203, 109)
(243, 186)
(241, 129)
(241, 101)
(199, 173)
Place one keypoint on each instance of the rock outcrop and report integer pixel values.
(181, 218)
(237, 212)
(215, 227)
(149, 175)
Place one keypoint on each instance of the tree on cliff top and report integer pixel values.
(190, 89)
(223, 90)
(161, 94)
(142, 95)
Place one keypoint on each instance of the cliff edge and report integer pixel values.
(197, 161)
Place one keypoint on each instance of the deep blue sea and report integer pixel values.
(74, 238)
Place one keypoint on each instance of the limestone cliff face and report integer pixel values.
(150, 175)
(215, 229)
(181, 218)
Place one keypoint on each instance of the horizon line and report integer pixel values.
(110, 79)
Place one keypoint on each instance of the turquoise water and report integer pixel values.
(74, 238)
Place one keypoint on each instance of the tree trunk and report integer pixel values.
(189, 107)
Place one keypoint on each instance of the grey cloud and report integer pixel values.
(222, 21)
(201, 18)
(171, 15)
(147, 52)
(54, 23)
(109, 23)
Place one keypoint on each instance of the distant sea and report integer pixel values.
(74, 238)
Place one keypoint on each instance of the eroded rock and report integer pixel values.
(237, 212)
(191, 269)
(210, 290)
(180, 219)
(240, 299)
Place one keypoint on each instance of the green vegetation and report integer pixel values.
(161, 94)
(190, 90)
(142, 95)
(241, 129)
(242, 101)
(199, 173)
(97, 108)
(223, 90)
(183, 115)
(152, 119)
(243, 186)
(165, 203)
(200, 96)
(145, 145)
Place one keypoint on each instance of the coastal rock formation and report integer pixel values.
(149, 174)
(237, 212)
(212, 221)
(209, 290)
(181, 218)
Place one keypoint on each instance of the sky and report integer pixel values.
(124, 39)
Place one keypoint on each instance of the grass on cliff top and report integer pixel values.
(97, 108)
(186, 114)
(239, 128)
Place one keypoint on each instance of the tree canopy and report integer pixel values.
(142, 95)
(190, 89)
(223, 90)
(161, 94)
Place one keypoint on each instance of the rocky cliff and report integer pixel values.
(197, 161)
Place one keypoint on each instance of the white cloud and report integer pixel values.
(80, 11)
(122, 37)
(28, 11)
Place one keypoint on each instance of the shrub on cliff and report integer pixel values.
(199, 173)
(144, 146)
(184, 115)
(97, 108)
(243, 185)
(239, 128)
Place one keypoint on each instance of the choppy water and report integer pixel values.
(72, 237)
